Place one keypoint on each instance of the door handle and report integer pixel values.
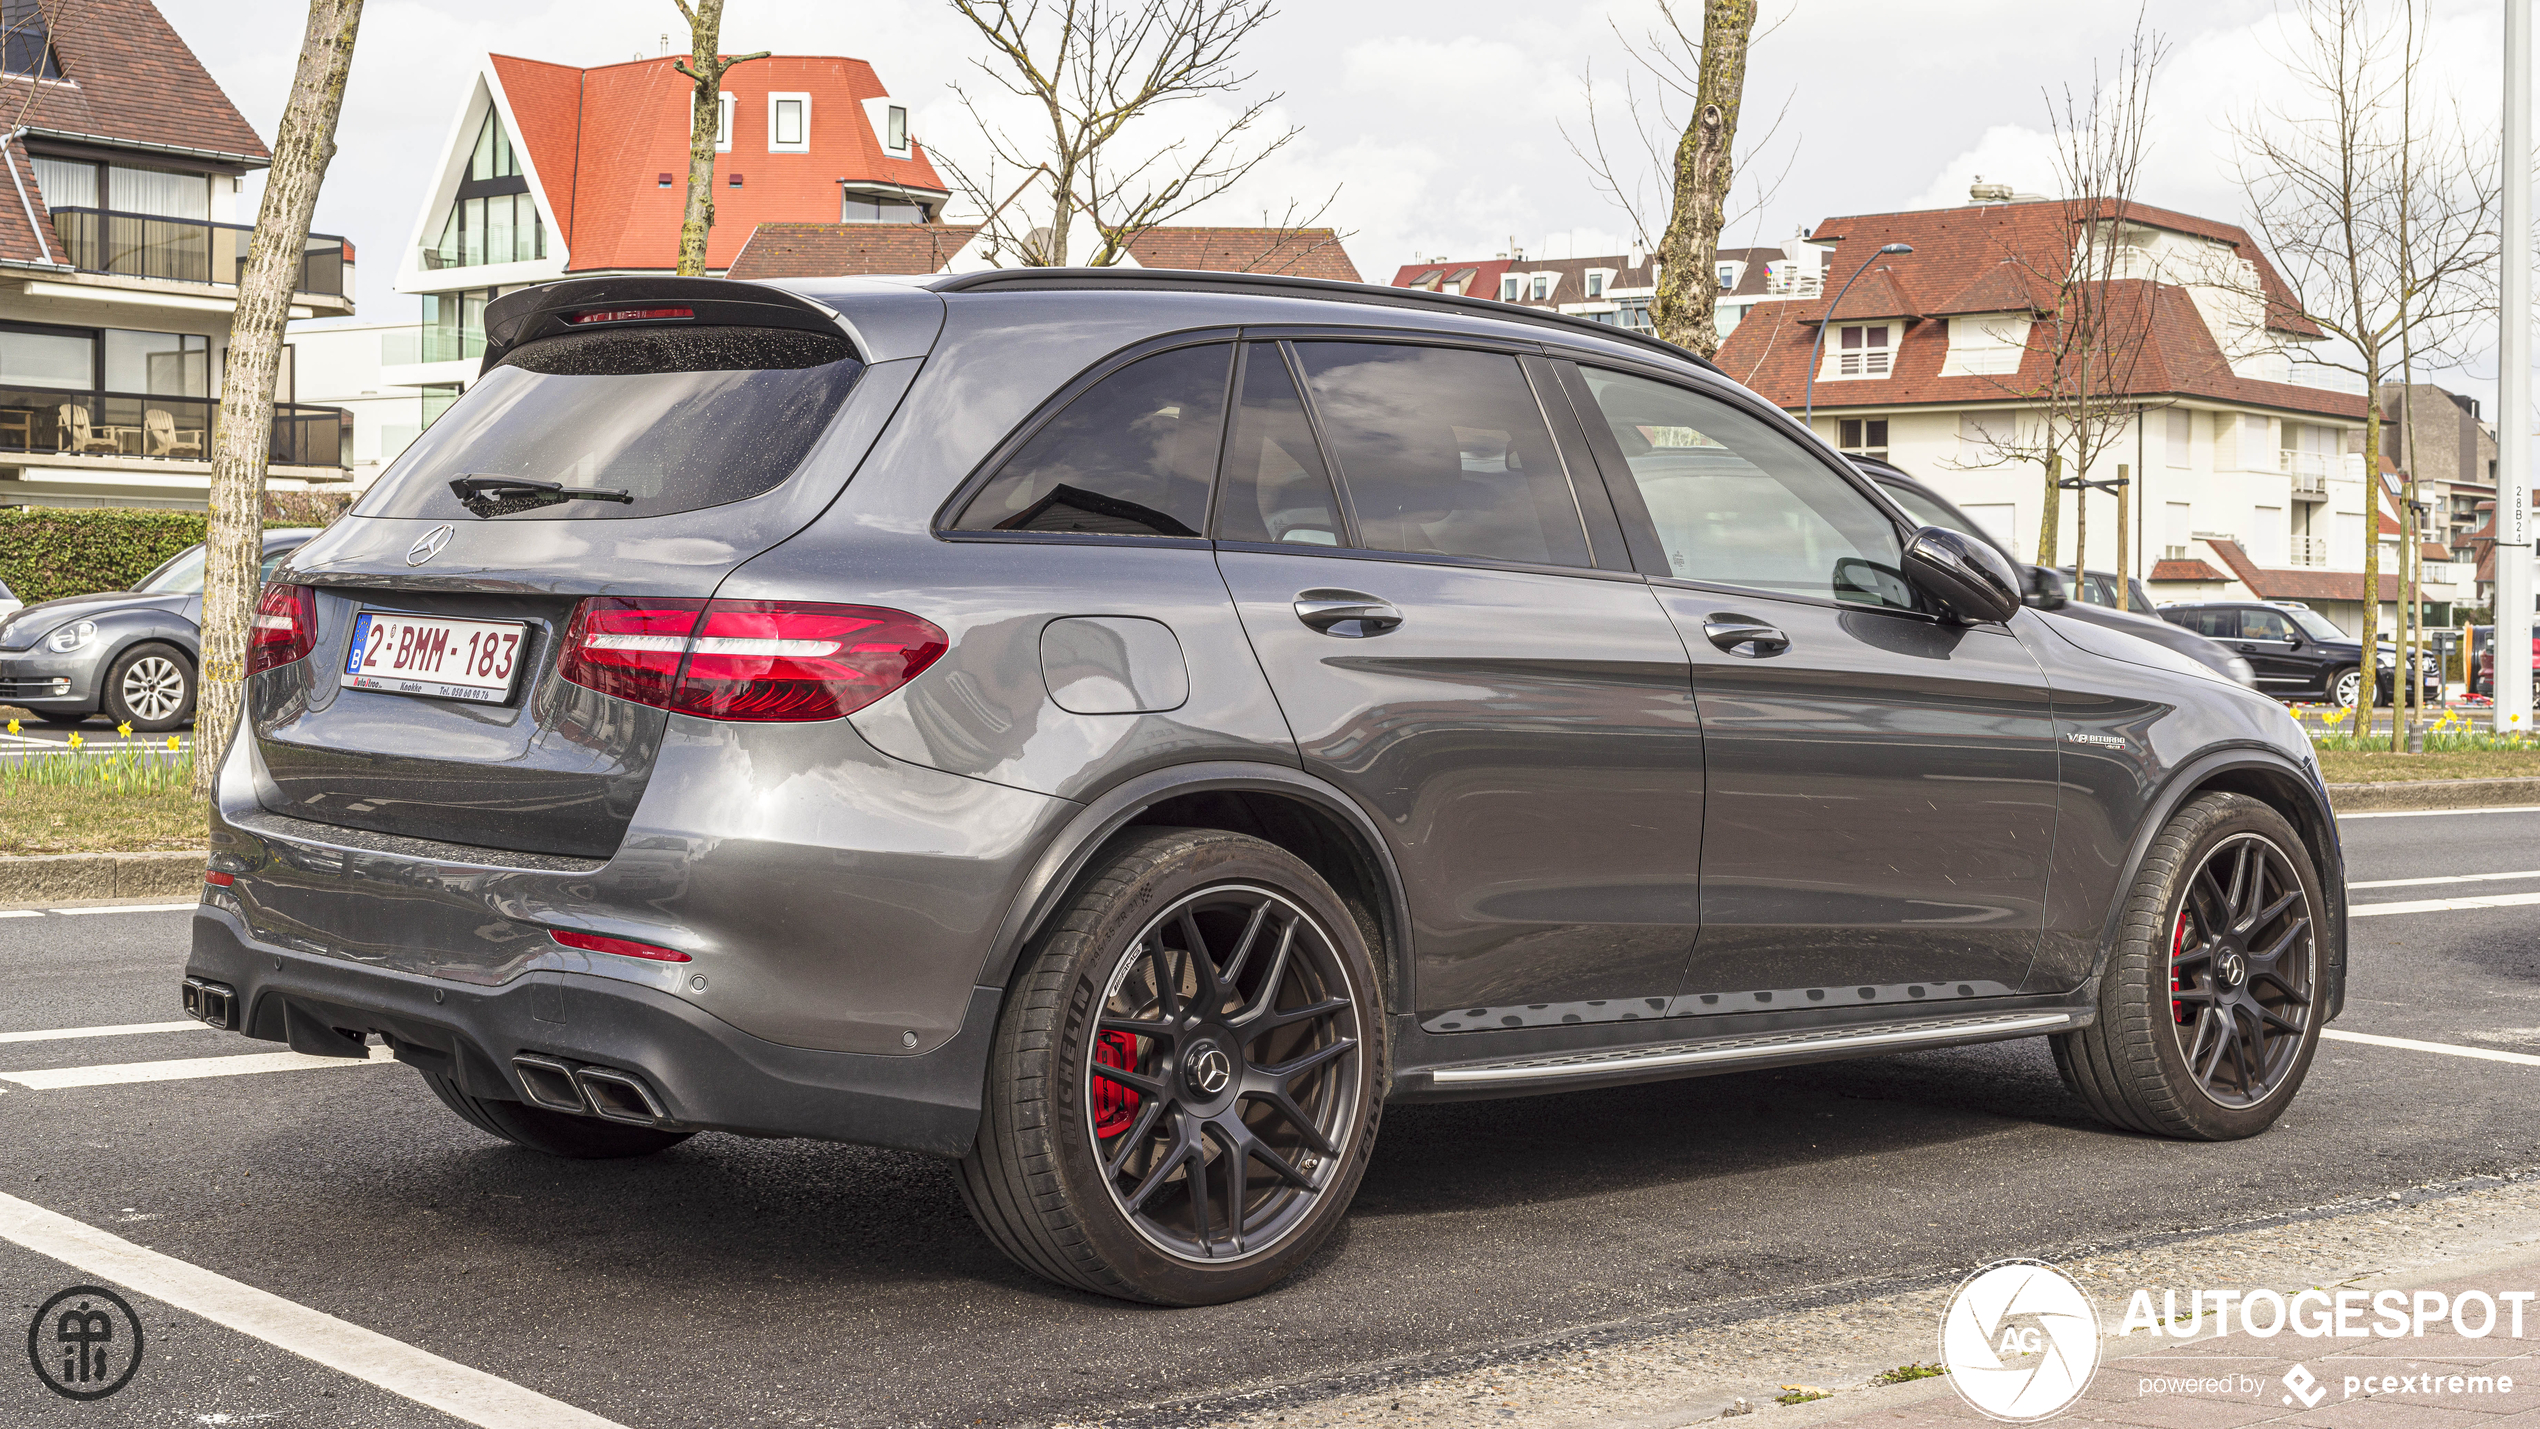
(1744, 636)
(1346, 613)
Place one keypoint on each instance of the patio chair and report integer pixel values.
(161, 438)
(78, 437)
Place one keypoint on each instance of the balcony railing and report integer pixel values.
(1794, 285)
(406, 346)
(184, 250)
(2309, 485)
(36, 419)
(2309, 550)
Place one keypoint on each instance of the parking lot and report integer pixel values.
(734, 1281)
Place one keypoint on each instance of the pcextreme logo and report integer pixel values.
(2021, 1341)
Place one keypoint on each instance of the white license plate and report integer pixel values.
(434, 655)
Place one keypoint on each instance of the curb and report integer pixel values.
(2434, 794)
(71, 877)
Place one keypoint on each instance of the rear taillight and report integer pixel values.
(629, 648)
(285, 627)
(746, 659)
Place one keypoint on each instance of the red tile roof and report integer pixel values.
(1433, 276)
(838, 250)
(1298, 252)
(1570, 286)
(2297, 584)
(2186, 571)
(1959, 266)
(829, 250)
(600, 138)
(127, 76)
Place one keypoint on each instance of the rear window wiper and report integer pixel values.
(503, 495)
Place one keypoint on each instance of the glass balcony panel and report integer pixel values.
(183, 250)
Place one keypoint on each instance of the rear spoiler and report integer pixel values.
(553, 309)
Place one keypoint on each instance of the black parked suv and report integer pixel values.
(2297, 653)
(1121, 730)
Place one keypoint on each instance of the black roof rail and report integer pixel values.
(1284, 285)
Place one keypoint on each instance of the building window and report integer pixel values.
(158, 193)
(867, 208)
(1511, 285)
(1862, 436)
(723, 123)
(50, 357)
(1863, 351)
(1543, 286)
(896, 133)
(493, 219)
(1595, 283)
(789, 123)
(454, 326)
(1728, 276)
(28, 49)
(1633, 313)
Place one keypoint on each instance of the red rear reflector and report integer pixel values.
(284, 628)
(218, 879)
(594, 943)
(631, 315)
(747, 659)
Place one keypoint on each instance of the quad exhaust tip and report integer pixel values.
(209, 1002)
(603, 1092)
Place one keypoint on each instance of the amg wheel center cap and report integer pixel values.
(1207, 1069)
(2232, 968)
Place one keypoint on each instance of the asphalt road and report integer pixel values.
(733, 1281)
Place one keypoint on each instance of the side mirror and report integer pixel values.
(1963, 575)
(2046, 589)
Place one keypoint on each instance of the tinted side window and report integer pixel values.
(1736, 501)
(1444, 452)
(1275, 487)
(2265, 625)
(2212, 624)
(1130, 456)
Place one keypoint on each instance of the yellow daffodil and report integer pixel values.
(124, 729)
(13, 726)
(76, 741)
(171, 743)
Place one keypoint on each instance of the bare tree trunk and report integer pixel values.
(1685, 308)
(2081, 539)
(302, 147)
(704, 64)
(2368, 697)
(2046, 524)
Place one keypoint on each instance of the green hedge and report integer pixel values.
(48, 552)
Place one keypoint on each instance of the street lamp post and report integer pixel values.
(2512, 688)
(1816, 350)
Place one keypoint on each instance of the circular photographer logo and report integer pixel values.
(2021, 1341)
(85, 1343)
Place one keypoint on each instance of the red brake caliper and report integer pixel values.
(2178, 945)
(1115, 1106)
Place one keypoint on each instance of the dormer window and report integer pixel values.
(1596, 283)
(789, 123)
(1543, 287)
(27, 50)
(723, 124)
(1509, 287)
(1863, 351)
(1728, 276)
(896, 132)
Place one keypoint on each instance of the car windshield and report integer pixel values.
(181, 576)
(2316, 625)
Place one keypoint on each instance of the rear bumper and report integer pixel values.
(707, 1073)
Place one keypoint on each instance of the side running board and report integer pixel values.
(1670, 1056)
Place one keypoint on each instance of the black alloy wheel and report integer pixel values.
(2242, 970)
(2210, 1003)
(1187, 1075)
(1224, 1073)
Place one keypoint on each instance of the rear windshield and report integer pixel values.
(643, 422)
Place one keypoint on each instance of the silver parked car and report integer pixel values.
(130, 655)
(1121, 730)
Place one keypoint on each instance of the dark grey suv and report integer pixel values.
(1123, 730)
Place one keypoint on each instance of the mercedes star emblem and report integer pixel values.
(429, 544)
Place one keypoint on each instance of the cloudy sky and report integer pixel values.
(1441, 123)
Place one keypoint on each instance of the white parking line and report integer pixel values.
(2439, 813)
(185, 1069)
(128, 908)
(2444, 905)
(123, 1029)
(2410, 1044)
(469, 1395)
(2447, 878)
(21, 912)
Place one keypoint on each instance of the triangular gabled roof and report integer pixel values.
(128, 78)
